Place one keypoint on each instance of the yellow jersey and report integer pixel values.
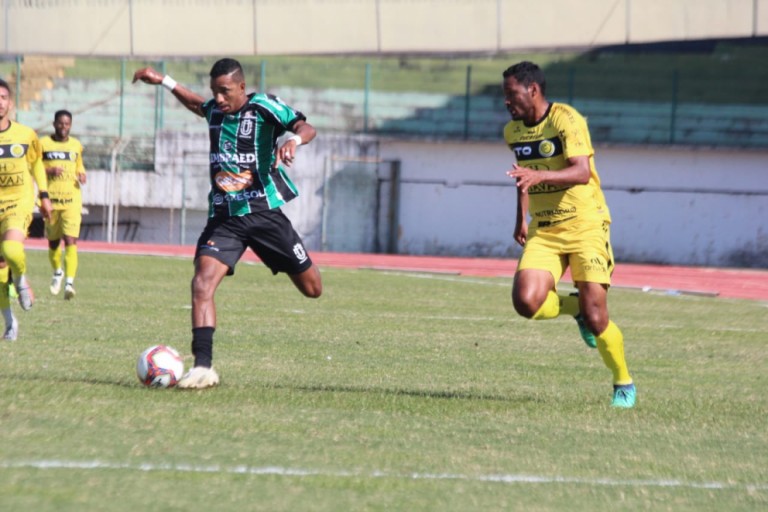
(20, 164)
(64, 189)
(560, 135)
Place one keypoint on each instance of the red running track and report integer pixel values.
(730, 283)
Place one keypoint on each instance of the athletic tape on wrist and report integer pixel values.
(168, 82)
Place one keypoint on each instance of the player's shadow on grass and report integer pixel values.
(417, 393)
(80, 380)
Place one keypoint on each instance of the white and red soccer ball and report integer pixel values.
(160, 366)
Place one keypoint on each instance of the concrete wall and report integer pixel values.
(669, 205)
(183, 28)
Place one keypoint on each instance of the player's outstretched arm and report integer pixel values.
(189, 99)
(303, 134)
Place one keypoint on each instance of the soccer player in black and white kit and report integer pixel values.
(248, 186)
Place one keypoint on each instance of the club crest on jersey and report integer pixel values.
(246, 128)
(546, 148)
(300, 253)
(17, 150)
(233, 182)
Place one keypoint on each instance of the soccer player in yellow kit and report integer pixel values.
(558, 186)
(20, 162)
(63, 161)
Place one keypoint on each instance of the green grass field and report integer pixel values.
(393, 391)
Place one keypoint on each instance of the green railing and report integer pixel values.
(693, 100)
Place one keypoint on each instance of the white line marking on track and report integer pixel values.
(299, 472)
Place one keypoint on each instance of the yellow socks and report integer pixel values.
(70, 262)
(13, 252)
(550, 308)
(610, 344)
(5, 300)
(54, 256)
(569, 305)
(556, 305)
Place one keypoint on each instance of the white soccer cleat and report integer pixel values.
(199, 377)
(26, 297)
(69, 291)
(56, 280)
(12, 331)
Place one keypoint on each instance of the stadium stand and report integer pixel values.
(709, 94)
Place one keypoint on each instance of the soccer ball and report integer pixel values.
(160, 366)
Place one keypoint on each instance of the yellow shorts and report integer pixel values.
(64, 223)
(15, 215)
(586, 248)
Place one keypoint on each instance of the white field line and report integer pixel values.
(300, 472)
(453, 279)
(564, 286)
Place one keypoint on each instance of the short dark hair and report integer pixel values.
(5, 85)
(227, 67)
(526, 73)
(60, 113)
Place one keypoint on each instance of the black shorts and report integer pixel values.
(268, 233)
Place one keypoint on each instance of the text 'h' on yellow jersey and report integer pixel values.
(20, 164)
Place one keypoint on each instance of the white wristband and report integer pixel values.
(168, 82)
(296, 138)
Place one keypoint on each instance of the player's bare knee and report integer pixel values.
(524, 312)
(313, 292)
(201, 288)
(309, 283)
(311, 288)
(596, 321)
(523, 308)
(524, 303)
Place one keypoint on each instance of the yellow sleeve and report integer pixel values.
(79, 167)
(34, 157)
(38, 171)
(574, 133)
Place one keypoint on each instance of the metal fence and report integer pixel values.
(436, 99)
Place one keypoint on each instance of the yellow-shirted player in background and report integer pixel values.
(558, 185)
(20, 163)
(63, 161)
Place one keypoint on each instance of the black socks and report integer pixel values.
(202, 345)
